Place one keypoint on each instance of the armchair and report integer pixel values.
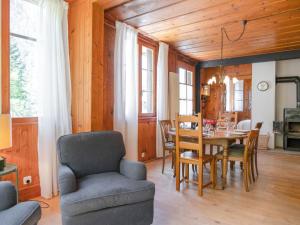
(11, 213)
(98, 186)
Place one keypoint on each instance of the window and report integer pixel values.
(185, 92)
(147, 80)
(234, 95)
(23, 36)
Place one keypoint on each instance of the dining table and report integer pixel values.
(219, 138)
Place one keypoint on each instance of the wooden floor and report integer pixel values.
(273, 200)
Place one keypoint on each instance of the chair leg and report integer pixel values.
(241, 165)
(232, 163)
(252, 168)
(200, 177)
(187, 172)
(177, 174)
(174, 163)
(246, 176)
(256, 167)
(164, 159)
(213, 172)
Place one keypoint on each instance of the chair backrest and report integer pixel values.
(258, 125)
(91, 152)
(181, 133)
(165, 126)
(229, 116)
(251, 143)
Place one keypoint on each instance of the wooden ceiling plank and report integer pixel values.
(235, 11)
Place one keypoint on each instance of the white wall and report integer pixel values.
(263, 103)
(285, 92)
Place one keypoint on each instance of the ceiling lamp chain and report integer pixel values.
(222, 76)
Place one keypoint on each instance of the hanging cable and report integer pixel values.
(223, 29)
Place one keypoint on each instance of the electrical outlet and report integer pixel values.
(27, 180)
(143, 154)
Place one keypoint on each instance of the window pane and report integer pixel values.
(238, 106)
(22, 69)
(189, 78)
(182, 91)
(239, 85)
(146, 102)
(239, 95)
(147, 80)
(182, 107)
(190, 92)
(182, 75)
(228, 96)
(23, 18)
(147, 58)
(189, 107)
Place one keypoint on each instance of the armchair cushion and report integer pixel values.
(133, 170)
(67, 181)
(8, 195)
(101, 151)
(24, 213)
(105, 190)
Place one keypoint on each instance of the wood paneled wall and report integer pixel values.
(24, 153)
(86, 38)
(108, 88)
(214, 104)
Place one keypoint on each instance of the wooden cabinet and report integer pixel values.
(147, 139)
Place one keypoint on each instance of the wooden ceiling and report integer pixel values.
(194, 26)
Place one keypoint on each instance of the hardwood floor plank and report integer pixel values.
(273, 200)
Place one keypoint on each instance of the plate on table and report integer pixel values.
(242, 131)
(237, 133)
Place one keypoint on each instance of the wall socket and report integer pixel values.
(27, 180)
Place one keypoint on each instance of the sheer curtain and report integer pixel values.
(54, 89)
(162, 92)
(126, 87)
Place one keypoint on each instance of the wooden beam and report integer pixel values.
(252, 59)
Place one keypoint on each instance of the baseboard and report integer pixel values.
(29, 192)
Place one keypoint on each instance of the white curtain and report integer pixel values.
(162, 93)
(126, 87)
(54, 89)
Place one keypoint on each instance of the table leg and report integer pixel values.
(225, 165)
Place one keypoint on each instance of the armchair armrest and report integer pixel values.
(66, 180)
(8, 195)
(133, 170)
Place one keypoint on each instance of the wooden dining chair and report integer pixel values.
(257, 126)
(190, 140)
(244, 156)
(254, 162)
(168, 144)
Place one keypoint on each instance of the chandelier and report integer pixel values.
(222, 77)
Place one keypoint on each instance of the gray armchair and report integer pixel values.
(98, 186)
(11, 213)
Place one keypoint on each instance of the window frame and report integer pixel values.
(5, 59)
(187, 67)
(143, 43)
